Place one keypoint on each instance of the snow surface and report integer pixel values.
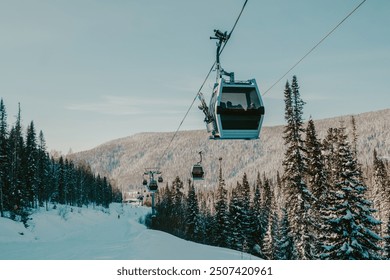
(88, 234)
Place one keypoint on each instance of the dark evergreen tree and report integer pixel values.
(43, 166)
(352, 224)
(247, 222)
(179, 208)
(257, 216)
(61, 181)
(4, 160)
(52, 192)
(317, 177)
(332, 165)
(381, 189)
(235, 236)
(222, 223)
(18, 197)
(354, 137)
(266, 204)
(241, 218)
(286, 249)
(271, 238)
(386, 248)
(192, 215)
(30, 166)
(298, 196)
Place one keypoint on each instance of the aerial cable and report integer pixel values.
(201, 87)
(313, 48)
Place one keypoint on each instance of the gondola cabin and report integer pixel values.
(197, 172)
(237, 110)
(153, 186)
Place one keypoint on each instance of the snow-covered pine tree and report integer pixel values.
(235, 239)
(207, 224)
(257, 215)
(298, 197)
(381, 189)
(179, 208)
(354, 136)
(353, 227)
(18, 194)
(4, 160)
(271, 241)
(241, 221)
(330, 155)
(222, 223)
(286, 249)
(192, 215)
(317, 178)
(43, 163)
(386, 248)
(71, 184)
(266, 204)
(247, 223)
(30, 165)
(61, 181)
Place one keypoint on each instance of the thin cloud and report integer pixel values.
(125, 106)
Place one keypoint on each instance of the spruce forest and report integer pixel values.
(320, 207)
(31, 178)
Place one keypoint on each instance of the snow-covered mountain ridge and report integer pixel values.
(124, 160)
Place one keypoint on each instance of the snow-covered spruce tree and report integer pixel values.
(247, 218)
(317, 178)
(381, 189)
(386, 248)
(354, 136)
(330, 155)
(4, 160)
(207, 224)
(266, 204)
(30, 158)
(352, 225)
(43, 164)
(61, 181)
(297, 195)
(271, 241)
(179, 208)
(192, 215)
(235, 239)
(286, 249)
(164, 208)
(241, 219)
(222, 223)
(18, 197)
(257, 216)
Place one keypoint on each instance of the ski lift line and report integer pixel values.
(201, 87)
(313, 48)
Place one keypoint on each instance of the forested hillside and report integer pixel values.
(125, 159)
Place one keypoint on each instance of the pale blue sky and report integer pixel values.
(91, 71)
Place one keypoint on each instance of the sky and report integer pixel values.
(87, 72)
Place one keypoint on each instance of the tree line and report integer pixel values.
(31, 178)
(320, 207)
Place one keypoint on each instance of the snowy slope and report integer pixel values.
(87, 234)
